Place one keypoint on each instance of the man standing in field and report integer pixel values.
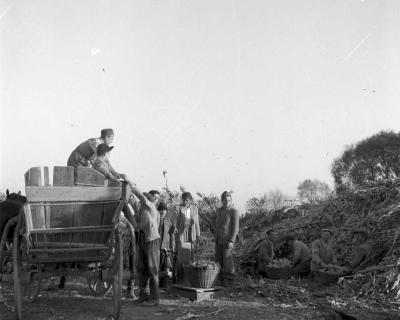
(226, 231)
(148, 220)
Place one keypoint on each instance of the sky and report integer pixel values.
(244, 95)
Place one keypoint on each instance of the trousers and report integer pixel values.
(148, 265)
(224, 257)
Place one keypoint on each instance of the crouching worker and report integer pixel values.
(300, 255)
(362, 248)
(148, 259)
(102, 163)
(323, 255)
(266, 251)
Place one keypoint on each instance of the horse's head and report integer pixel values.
(17, 197)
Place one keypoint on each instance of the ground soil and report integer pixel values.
(76, 302)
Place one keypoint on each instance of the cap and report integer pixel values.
(103, 148)
(106, 132)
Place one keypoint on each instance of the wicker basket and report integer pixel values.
(203, 276)
(278, 272)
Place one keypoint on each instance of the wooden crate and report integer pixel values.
(195, 294)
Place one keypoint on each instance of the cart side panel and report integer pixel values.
(63, 176)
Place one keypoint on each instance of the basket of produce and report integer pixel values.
(202, 274)
(329, 275)
(279, 269)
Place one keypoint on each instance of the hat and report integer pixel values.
(187, 195)
(106, 133)
(327, 230)
(162, 206)
(103, 148)
(362, 231)
(225, 194)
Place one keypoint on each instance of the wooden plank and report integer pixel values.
(195, 294)
(47, 210)
(38, 217)
(63, 176)
(89, 177)
(212, 289)
(46, 182)
(67, 244)
(74, 230)
(88, 215)
(113, 183)
(28, 218)
(109, 213)
(62, 216)
(69, 249)
(54, 194)
(33, 177)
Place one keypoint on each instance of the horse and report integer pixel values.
(10, 208)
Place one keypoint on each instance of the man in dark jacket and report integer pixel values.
(85, 154)
(227, 228)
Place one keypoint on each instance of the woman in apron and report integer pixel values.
(188, 231)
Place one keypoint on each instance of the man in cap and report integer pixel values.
(148, 260)
(227, 228)
(166, 228)
(323, 254)
(300, 255)
(102, 163)
(266, 250)
(362, 249)
(85, 154)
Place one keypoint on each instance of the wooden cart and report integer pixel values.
(73, 223)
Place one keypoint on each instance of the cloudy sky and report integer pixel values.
(243, 95)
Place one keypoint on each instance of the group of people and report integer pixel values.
(156, 232)
(306, 261)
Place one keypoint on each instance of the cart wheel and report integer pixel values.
(98, 286)
(117, 272)
(12, 222)
(17, 269)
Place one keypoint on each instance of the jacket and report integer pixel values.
(103, 165)
(321, 253)
(227, 225)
